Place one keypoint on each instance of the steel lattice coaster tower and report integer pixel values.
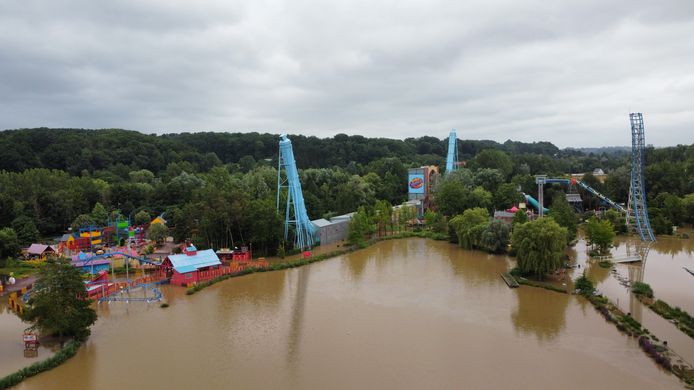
(295, 212)
(637, 211)
(452, 158)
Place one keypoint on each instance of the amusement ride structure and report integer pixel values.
(637, 211)
(452, 158)
(295, 211)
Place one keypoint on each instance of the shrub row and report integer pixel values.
(66, 352)
(655, 352)
(640, 288)
(659, 353)
(683, 320)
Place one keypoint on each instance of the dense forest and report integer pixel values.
(219, 187)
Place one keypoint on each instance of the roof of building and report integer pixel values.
(158, 219)
(503, 214)
(343, 216)
(190, 262)
(322, 222)
(83, 263)
(37, 249)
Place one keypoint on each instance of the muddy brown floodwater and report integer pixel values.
(402, 314)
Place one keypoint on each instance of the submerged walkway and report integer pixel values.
(510, 280)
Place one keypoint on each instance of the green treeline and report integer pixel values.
(220, 188)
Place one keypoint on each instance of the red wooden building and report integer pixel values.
(191, 266)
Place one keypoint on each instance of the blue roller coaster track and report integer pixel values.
(637, 211)
(295, 212)
(452, 152)
(607, 201)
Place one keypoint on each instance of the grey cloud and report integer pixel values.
(566, 72)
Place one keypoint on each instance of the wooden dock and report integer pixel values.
(510, 280)
(618, 259)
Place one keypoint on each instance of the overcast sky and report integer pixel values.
(568, 72)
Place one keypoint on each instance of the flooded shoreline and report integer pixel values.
(411, 313)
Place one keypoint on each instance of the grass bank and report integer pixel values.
(66, 352)
(682, 320)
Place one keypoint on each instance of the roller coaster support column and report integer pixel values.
(540, 180)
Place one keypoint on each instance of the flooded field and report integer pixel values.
(662, 270)
(405, 314)
(11, 345)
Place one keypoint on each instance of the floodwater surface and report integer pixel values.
(402, 314)
(662, 269)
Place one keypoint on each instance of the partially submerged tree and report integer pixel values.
(600, 234)
(59, 305)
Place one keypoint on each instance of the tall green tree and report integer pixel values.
(383, 214)
(565, 216)
(435, 221)
(495, 159)
(539, 246)
(359, 227)
(82, 221)
(99, 214)
(9, 243)
(617, 220)
(59, 305)
(157, 232)
(600, 234)
(506, 196)
(142, 217)
(26, 230)
(520, 217)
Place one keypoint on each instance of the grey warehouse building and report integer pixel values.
(331, 231)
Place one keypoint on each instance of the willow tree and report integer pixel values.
(469, 227)
(539, 246)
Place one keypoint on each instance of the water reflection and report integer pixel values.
(540, 313)
(473, 267)
(355, 265)
(300, 284)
